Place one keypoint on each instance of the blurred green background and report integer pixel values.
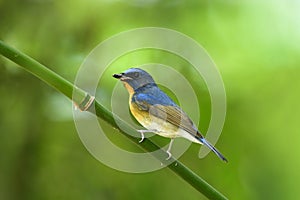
(255, 46)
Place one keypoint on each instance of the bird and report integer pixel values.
(157, 112)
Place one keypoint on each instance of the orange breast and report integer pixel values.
(141, 116)
(129, 88)
(163, 128)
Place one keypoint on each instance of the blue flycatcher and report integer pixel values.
(156, 111)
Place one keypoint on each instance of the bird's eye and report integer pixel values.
(136, 74)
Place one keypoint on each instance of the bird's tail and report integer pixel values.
(211, 147)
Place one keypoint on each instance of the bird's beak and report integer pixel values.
(121, 76)
(117, 76)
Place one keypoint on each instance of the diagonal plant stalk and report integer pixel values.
(78, 96)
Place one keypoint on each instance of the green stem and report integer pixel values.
(69, 90)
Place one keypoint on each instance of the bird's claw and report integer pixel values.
(169, 149)
(142, 137)
(142, 134)
(169, 155)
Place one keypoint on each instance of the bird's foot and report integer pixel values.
(142, 137)
(169, 155)
(169, 149)
(142, 134)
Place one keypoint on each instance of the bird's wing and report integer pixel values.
(170, 113)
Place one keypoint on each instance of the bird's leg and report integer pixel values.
(169, 149)
(145, 131)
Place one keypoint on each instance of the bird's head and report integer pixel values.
(134, 78)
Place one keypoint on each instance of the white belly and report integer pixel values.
(165, 129)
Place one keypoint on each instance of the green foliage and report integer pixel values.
(255, 46)
(78, 96)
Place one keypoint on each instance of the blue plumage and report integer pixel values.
(152, 95)
(157, 112)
